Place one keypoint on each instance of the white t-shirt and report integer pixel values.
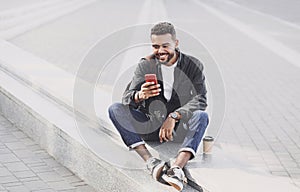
(168, 79)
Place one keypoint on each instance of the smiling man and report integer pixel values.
(171, 110)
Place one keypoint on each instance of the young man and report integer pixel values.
(172, 109)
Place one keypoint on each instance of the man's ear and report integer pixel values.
(176, 43)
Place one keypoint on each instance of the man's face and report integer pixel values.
(164, 48)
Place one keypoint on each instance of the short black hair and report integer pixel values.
(163, 28)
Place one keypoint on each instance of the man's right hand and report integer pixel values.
(148, 89)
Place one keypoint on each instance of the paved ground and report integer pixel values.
(284, 9)
(257, 56)
(25, 167)
(6, 5)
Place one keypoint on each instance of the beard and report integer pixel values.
(165, 57)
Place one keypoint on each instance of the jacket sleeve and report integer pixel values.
(198, 100)
(134, 85)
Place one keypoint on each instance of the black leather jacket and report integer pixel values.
(189, 90)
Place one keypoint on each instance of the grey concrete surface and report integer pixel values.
(257, 56)
(63, 34)
(13, 4)
(25, 166)
(284, 9)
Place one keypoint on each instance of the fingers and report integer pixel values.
(165, 135)
(162, 135)
(147, 84)
(166, 130)
(169, 135)
(150, 85)
(149, 89)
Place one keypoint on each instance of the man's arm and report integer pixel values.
(129, 95)
(139, 90)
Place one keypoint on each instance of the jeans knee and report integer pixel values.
(114, 109)
(201, 116)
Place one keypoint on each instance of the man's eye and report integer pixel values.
(165, 46)
(155, 46)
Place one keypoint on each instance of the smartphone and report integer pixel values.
(151, 78)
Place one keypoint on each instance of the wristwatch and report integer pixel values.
(174, 115)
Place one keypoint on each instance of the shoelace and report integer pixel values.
(179, 171)
(151, 163)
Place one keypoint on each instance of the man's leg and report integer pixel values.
(182, 158)
(131, 124)
(143, 152)
(197, 126)
(196, 129)
(127, 121)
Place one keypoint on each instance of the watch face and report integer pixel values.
(174, 115)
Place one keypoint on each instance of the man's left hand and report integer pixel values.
(166, 130)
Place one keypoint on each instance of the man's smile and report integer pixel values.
(163, 56)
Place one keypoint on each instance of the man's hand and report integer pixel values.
(166, 130)
(148, 89)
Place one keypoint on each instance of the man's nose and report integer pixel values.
(161, 49)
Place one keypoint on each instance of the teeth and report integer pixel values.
(163, 56)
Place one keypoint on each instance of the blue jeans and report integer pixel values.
(135, 127)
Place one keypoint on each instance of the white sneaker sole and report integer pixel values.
(173, 182)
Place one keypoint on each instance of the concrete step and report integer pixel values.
(87, 148)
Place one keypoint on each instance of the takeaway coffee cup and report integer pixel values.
(208, 142)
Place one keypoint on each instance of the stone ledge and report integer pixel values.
(37, 97)
(53, 128)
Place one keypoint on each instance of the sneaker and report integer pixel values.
(175, 177)
(155, 167)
